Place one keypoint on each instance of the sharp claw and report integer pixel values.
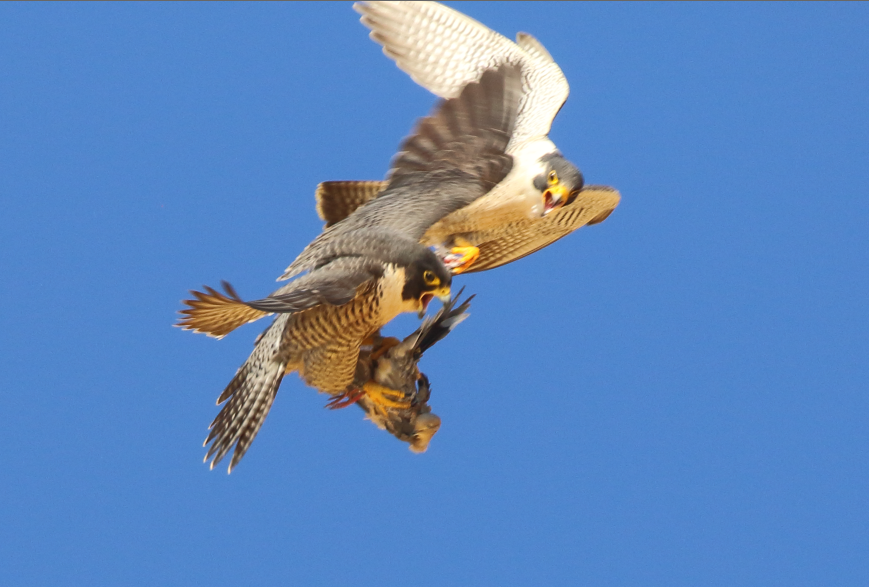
(460, 259)
(348, 398)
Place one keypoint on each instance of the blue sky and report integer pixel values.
(676, 396)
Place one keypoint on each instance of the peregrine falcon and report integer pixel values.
(364, 271)
(393, 365)
(442, 50)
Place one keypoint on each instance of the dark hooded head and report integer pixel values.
(425, 278)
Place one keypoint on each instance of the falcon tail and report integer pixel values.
(215, 314)
(248, 398)
(336, 200)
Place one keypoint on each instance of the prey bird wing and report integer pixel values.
(435, 329)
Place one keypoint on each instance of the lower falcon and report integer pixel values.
(366, 270)
(321, 343)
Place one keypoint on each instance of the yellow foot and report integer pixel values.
(384, 396)
(459, 259)
(348, 398)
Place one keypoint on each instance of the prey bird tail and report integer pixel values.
(435, 329)
(336, 200)
(248, 397)
(216, 314)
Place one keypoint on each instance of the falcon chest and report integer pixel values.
(376, 303)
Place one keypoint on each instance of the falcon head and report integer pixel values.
(558, 183)
(426, 278)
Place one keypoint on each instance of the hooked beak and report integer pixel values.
(554, 198)
(442, 293)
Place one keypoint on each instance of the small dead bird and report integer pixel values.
(392, 364)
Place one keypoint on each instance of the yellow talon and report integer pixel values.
(381, 395)
(460, 259)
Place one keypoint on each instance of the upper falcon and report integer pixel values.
(442, 50)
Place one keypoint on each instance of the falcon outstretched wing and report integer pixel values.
(519, 239)
(516, 240)
(442, 50)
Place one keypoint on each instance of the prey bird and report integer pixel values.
(393, 364)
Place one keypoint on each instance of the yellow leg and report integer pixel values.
(342, 400)
(382, 396)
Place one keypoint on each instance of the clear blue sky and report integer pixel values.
(674, 397)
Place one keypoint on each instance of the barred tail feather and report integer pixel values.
(216, 314)
(336, 200)
(248, 398)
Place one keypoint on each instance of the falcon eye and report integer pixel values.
(430, 278)
(553, 177)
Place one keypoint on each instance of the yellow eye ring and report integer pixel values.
(430, 278)
(553, 177)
